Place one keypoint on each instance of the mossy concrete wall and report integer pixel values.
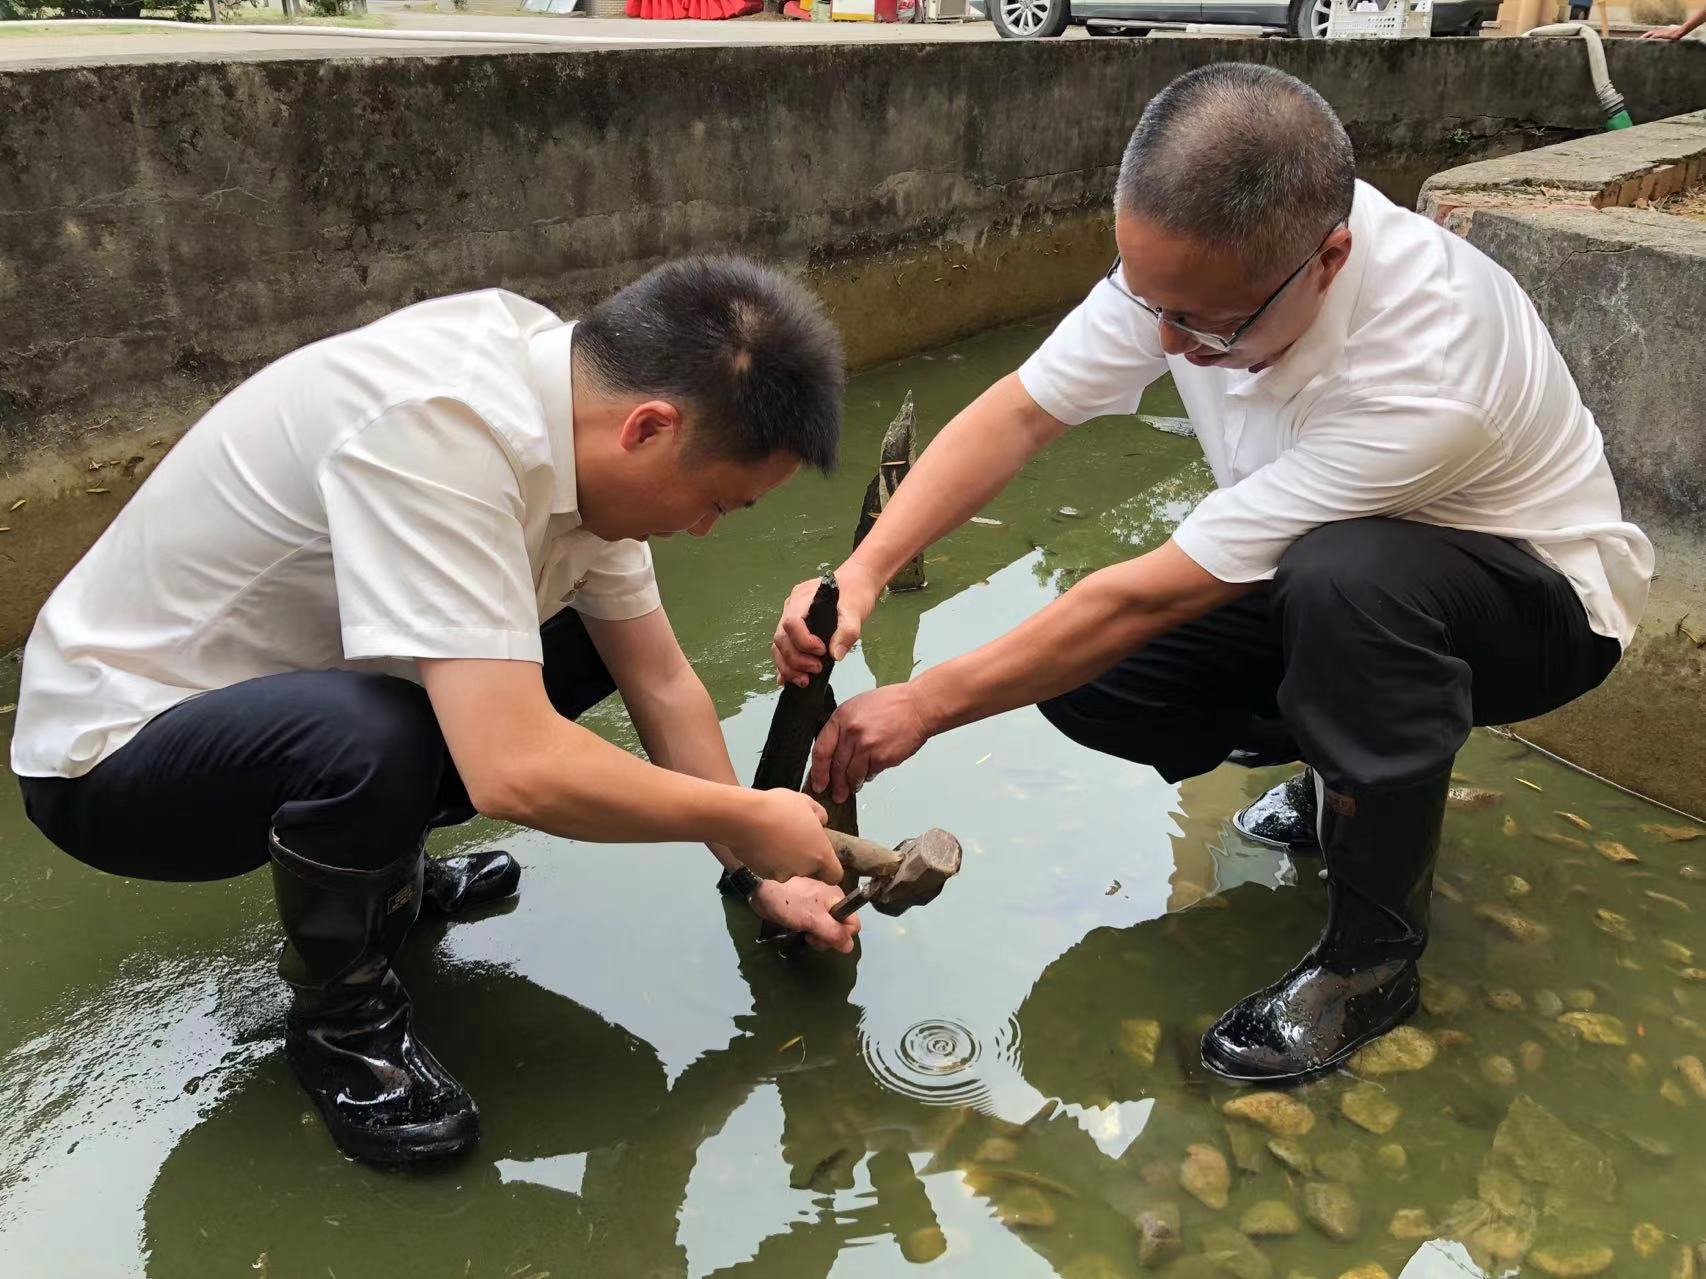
(168, 227)
(1621, 285)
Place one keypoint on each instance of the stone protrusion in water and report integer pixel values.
(1500, 1071)
(1515, 925)
(1441, 998)
(1139, 1038)
(1505, 1000)
(1693, 1074)
(1411, 1225)
(1235, 1255)
(1270, 1219)
(1292, 1156)
(1543, 1149)
(1367, 1106)
(1402, 1050)
(1571, 1262)
(1158, 1236)
(1205, 1176)
(1597, 1028)
(1333, 1210)
(899, 452)
(1280, 1113)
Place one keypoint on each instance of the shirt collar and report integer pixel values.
(553, 379)
(1322, 345)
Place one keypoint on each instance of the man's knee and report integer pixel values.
(1175, 747)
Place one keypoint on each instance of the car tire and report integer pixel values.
(1030, 19)
(1308, 20)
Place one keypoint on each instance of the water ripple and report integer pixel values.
(941, 1062)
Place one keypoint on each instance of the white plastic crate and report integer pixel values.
(1379, 19)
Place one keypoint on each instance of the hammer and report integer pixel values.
(896, 879)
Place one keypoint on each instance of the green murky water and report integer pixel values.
(999, 1085)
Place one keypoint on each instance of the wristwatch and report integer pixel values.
(738, 882)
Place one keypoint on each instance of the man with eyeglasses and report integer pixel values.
(1414, 531)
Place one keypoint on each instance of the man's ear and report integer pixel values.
(1335, 255)
(650, 422)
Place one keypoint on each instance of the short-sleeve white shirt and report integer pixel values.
(402, 491)
(1427, 389)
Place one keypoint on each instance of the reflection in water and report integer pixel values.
(664, 1096)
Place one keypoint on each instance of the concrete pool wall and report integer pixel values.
(168, 227)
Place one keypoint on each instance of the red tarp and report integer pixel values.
(704, 9)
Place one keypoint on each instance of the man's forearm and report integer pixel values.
(678, 727)
(971, 460)
(1105, 617)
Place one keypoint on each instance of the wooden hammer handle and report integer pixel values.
(863, 856)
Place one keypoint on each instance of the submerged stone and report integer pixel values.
(1532, 1055)
(1280, 1113)
(1542, 1148)
(1693, 1074)
(1613, 924)
(996, 1150)
(1548, 1003)
(1580, 999)
(1675, 951)
(1271, 1218)
(928, 1242)
(1500, 1071)
(1502, 1191)
(1515, 925)
(1093, 1265)
(1687, 1264)
(1441, 998)
(1517, 887)
(1647, 1239)
(1503, 999)
(1291, 1155)
(1368, 1106)
(1368, 1270)
(1467, 797)
(1139, 1038)
(1411, 1224)
(1205, 1176)
(1333, 1210)
(1026, 1208)
(1672, 1092)
(1343, 1166)
(1236, 1255)
(1450, 1037)
(1597, 1028)
(1158, 1236)
(1392, 1157)
(1671, 834)
(1611, 850)
(1404, 1049)
(1571, 1262)
(1246, 1143)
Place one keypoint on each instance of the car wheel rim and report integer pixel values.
(1024, 17)
(1319, 12)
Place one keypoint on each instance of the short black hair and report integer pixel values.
(750, 353)
(1244, 156)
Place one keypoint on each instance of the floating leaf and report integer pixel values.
(1523, 781)
(1580, 823)
(797, 1039)
(19, 504)
(1616, 852)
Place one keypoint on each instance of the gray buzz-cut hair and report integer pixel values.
(1243, 156)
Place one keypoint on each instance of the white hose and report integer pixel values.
(358, 33)
(1609, 98)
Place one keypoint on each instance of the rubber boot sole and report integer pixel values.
(1332, 1064)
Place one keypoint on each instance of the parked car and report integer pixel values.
(1305, 19)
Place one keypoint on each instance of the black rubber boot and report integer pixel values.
(1360, 980)
(1283, 818)
(349, 1036)
(455, 886)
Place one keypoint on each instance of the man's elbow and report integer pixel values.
(504, 795)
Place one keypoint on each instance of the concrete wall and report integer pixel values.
(1621, 291)
(166, 228)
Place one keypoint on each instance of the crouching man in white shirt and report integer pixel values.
(1414, 531)
(368, 594)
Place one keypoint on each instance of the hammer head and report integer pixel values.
(926, 864)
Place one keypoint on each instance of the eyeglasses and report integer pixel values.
(1216, 342)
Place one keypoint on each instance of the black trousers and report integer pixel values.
(1375, 648)
(349, 769)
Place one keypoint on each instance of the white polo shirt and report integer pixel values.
(405, 490)
(1427, 389)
